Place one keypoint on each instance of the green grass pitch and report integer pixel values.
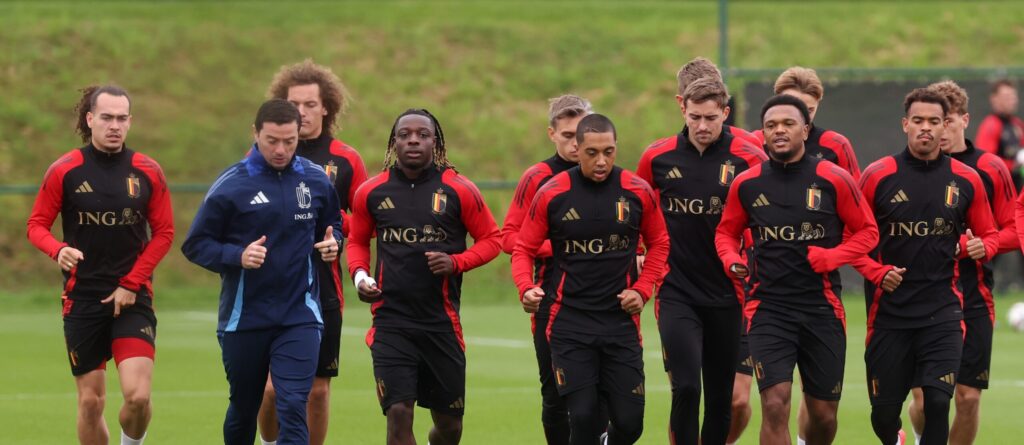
(37, 404)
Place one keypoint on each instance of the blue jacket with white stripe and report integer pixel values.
(293, 208)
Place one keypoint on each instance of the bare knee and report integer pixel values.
(91, 404)
(320, 393)
(775, 403)
(400, 418)
(448, 425)
(136, 401)
(967, 399)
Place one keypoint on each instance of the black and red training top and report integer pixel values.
(807, 218)
(691, 187)
(594, 229)
(346, 172)
(976, 277)
(116, 209)
(922, 207)
(430, 213)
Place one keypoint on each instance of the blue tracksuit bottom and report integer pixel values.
(290, 354)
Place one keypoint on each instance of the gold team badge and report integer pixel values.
(952, 194)
(133, 186)
(814, 197)
(331, 170)
(438, 202)
(726, 172)
(622, 210)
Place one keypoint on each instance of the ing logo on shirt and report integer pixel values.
(938, 227)
(412, 235)
(807, 232)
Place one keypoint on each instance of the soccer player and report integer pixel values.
(564, 115)
(698, 306)
(320, 97)
(807, 218)
(698, 68)
(258, 228)
(1002, 132)
(593, 217)
(421, 210)
(117, 223)
(976, 278)
(804, 84)
(922, 201)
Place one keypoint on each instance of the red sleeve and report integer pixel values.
(846, 158)
(979, 214)
(747, 151)
(362, 226)
(48, 204)
(524, 195)
(160, 217)
(759, 135)
(645, 171)
(870, 269)
(1019, 215)
(733, 223)
(358, 178)
(654, 235)
(1002, 201)
(478, 220)
(987, 138)
(740, 133)
(534, 232)
(860, 232)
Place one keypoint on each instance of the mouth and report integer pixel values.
(780, 142)
(925, 137)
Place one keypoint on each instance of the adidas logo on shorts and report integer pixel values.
(458, 404)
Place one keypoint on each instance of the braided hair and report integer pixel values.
(440, 153)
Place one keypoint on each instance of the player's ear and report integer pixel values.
(904, 124)
(255, 133)
(725, 112)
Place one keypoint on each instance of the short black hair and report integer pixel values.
(927, 96)
(277, 111)
(785, 99)
(595, 123)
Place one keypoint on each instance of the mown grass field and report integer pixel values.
(503, 400)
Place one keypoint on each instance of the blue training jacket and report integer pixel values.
(293, 208)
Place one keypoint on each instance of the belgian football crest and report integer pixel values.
(622, 210)
(952, 194)
(726, 172)
(438, 202)
(332, 171)
(303, 196)
(133, 185)
(813, 197)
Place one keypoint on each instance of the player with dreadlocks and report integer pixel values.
(421, 210)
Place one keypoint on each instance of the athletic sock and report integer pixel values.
(800, 441)
(917, 438)
(267, 442)
(125, 440)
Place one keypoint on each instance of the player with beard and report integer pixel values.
(421, 211)
(807, 218)
(923, 201)
(564, 115)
